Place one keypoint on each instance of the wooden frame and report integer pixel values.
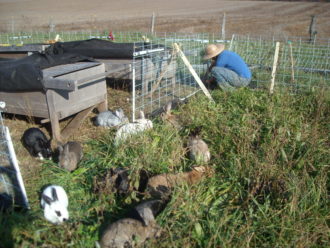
(70, 90)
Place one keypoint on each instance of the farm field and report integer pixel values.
(270, 158)
(242, 17)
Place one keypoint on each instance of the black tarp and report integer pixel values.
(25, 74)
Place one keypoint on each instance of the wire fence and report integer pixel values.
(12, 190)
(302, 64)
(160, 75)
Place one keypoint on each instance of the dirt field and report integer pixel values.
(242, 17)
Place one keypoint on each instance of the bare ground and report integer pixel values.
(242, 17)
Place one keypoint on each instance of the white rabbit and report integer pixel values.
(132, 128)
(70, 155)
(54, 201)
(111, 119)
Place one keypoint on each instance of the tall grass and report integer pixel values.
(270, 187)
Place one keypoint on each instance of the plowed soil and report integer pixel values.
(242, 17)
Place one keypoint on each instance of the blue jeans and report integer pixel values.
(227, 79)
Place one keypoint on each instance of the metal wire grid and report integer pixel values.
(159, 74)
(301, 65)
(12, 189)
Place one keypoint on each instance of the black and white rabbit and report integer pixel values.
(110, 118)
(54, 201)
(70, 155)
(37, 143)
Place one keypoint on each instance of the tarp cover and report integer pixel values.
(25, 74)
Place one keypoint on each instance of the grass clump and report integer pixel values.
(270, 187)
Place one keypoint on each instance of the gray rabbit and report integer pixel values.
(70, 155)
(111, 119)
(198, 149)
(128, 232)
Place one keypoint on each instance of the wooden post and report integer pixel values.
(223, 29)
(152, 23)
(312, 29)
(192, 71)
(292, 63)
(272, 83)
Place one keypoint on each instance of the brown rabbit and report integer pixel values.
(70, 155)
(198, 149)
(169, 118)
(161, 185)
(128, 233)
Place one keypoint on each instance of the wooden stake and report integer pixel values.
(223, 29)
(192, 71)
(272, 83)
(152, 23)
(292, 63)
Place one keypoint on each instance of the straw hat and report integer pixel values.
(213, 50)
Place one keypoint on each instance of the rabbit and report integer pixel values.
(130, 129)
(167, 117)
(54, 201)
(159, 186)
(111, 119)
(128, 232)
(70, 155)
(146, 211)
(36, 143)
(198, 149)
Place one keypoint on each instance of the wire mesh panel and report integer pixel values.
(12, 191)
(301, 64)
(160, 75)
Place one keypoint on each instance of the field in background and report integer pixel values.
(186, 16)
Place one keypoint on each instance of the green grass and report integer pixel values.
(270, 187)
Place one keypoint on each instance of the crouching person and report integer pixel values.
(228, 70)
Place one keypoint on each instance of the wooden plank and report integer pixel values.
(192, 71)
(24, 48)
(76, 122)
(25, 103)
(56, 131)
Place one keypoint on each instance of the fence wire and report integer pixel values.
(12, 191)
(160, 75)
(302, 65)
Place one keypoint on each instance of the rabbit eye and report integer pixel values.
(58, 213)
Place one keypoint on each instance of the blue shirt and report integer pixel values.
(234, 62)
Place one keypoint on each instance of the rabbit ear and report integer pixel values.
(168, 107)
(141, 115)
(47, 199)
(66, 149)
(119, 112)
(60, 148)
(200, 169)
(54, 194)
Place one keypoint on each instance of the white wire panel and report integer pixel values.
(12, 191)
